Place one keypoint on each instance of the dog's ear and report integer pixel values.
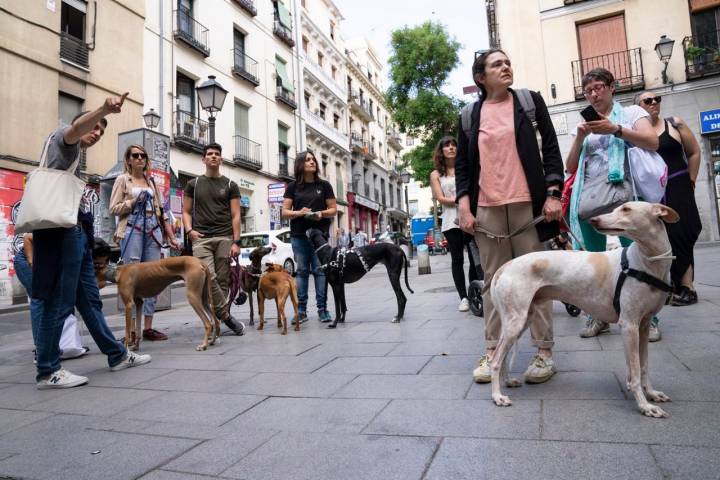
(665, 213)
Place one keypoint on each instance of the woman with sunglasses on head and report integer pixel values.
(442, 183)
(142, 226)
(309, 202)
(599, 151)
(681, 152)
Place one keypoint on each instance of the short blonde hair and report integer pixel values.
(128, 150)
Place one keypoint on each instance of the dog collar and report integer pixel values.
(638, 275)
(663, 256)
(321, 247)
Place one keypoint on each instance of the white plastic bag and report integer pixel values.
(70, 340)
(649, 173)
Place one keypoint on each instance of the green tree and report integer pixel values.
(422, 59)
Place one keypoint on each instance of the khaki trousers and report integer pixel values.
(495, 252)
(214, 252)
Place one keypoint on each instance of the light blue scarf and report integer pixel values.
(616, 172)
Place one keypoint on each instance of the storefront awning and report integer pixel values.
(396, 213)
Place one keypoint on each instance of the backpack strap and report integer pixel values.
(671, 121)
(528, 104)
(466, 118)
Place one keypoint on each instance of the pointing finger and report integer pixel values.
(123, 97)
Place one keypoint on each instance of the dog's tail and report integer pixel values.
(406, 262)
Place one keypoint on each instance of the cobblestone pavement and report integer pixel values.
(369, 400)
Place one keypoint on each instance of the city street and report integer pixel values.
(370, 400)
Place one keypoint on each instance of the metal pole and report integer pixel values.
(211, 121)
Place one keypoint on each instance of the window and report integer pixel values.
(242, 123)
(371, 107)
(185, 24)
(333, 70)
(705, 26)
(409, 141)
(322, 110)
(282, 77)
(305, 43)
(336, 121)
(239, 48)
(598, 40)
(332, 29)
(307, 100)
(72, 18)
(321, 58)
(185, 94)
(283, 148)
(68, 107)
(302, 2)
(324, 164)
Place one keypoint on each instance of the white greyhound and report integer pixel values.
(627, 285)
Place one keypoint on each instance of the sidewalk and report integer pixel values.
(371, 399)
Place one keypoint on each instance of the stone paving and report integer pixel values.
(370, 400)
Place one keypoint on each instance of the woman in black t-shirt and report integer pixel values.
(309, 203)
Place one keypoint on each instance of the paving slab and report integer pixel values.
(689, 424)
(350, 457)
(439, 347)
(684, 463)
(376, 365)
(191, 407)
(355, 349)
(13, 419)
(195, 380)
(22, 396)
(307, 363)
(407, 386)
(168, 475)
(461, 418)
(480, 459)
(292, 385)
(96, 401)
(563, 385)
(196, 361)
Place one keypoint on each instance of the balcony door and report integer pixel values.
(242, 123)
(603, 44)
(185, 13)
(239, 48)
(186, 94)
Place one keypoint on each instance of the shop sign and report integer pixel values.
(243, 183)
(710, 121)
(276, 192)
(366, 202)
(245, 201)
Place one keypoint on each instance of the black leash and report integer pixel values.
(638, 275)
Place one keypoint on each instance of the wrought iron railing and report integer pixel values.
(247, 153)
(285, 96)
(74, 50)
(190, 131)
(283, 32)
(626, 66)
(702, 54)
(190, 31)
(248, 6)
(245, 66)
(283, 166)
(371, 152)
(361, 106)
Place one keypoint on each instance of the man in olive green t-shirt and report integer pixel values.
(211, 216)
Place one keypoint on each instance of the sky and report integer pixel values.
(376, 19)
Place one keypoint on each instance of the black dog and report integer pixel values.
(350, 265)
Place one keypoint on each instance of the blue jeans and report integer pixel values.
(306, 261)
(24, 274)
(76, 287)
(142, 246)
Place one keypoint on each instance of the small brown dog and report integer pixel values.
(136, 281)
(277, 283)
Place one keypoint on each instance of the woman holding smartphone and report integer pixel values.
(599, 150)
(309, 203)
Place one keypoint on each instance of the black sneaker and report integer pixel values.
(235, 325)
(684, 297)
(302, 316)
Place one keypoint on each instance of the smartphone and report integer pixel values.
(590, 114)
(311, 214)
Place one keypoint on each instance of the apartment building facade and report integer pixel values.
(552, 43)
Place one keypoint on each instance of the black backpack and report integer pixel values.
(526, 101)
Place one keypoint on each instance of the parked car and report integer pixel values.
(278, 240)
(387, 237)
(436, 242)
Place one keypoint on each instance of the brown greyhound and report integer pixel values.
(136, 281)
(276, 283)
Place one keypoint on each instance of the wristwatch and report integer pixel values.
(618, 132)
(237, 242)
(557, 194)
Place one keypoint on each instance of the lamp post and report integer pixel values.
(405, 178)
(212, 96)
(152, 119)
(664, 49)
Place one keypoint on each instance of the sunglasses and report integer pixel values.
(651, 100)
(136, 156)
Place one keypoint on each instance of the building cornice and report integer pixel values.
(360, 76)
(577, 8)
(325, 41)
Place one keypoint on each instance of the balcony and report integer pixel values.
(283, 33)
(283, 169)
(248, 6)
(319, 125)
(247, 153)
(74, 50)
(190, 131)
(573, 2)
(285, 96)
(357, 144)
(394, 140)
(702, 55)
(360, 107)
(245, 67)
(191, 32)
(626, 66)
(370, 153)
(324, 79)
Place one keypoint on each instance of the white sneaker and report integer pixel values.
(481, 373)
(131, 360)
(464, 305)
(61, 379)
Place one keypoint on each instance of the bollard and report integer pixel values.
(405, 250)
(423, 259)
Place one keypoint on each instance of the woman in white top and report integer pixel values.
(142, 226)
(442, 183)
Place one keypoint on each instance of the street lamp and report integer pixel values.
(212, 96)
(152, 119)
(664, 49)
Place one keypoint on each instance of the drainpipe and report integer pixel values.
(161, 87)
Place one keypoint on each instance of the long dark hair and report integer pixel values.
(300, 160)
(478, 67)
(439, 157)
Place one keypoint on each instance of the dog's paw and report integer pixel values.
(260, 327)
(513, 383)
(201, 348)
(502, 400)
(395, 320)
(251, 322)
(650, 410)
(657, 396)
(331, 325)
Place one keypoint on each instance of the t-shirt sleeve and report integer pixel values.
(190, 188)
(633, 113)
(59, 154)
(290, 191)
(328, 191)
(234, 190)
